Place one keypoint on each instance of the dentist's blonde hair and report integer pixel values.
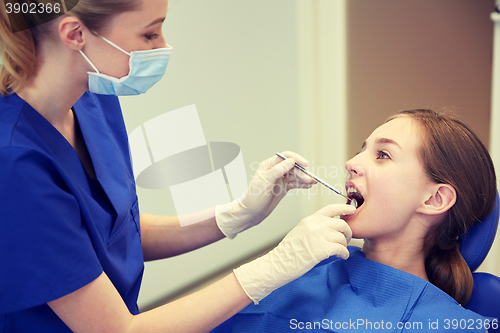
(18, 51)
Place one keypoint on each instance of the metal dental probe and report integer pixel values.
(321, 181)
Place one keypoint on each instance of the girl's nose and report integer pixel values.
(354, 168)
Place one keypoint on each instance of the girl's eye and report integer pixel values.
(152, 36)
(382, 155)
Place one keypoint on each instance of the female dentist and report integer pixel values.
(72, 241)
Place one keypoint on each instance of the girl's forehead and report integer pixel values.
(402, 130)
(400, 126)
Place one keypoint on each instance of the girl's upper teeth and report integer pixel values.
(351, 190)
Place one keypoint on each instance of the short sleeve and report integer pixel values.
(45, 248)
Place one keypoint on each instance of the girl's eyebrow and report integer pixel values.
(382, 141)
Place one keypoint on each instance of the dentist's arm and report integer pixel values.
(97, 307)
(163, 236)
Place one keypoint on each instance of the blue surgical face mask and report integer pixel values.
(146, 69)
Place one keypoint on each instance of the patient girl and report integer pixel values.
(422, 180)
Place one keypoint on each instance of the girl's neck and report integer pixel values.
(402, 256)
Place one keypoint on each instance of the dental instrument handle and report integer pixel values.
(321, 181)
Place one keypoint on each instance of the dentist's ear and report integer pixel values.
(71, 32)
(442, 198)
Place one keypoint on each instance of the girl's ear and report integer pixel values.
(442, 198)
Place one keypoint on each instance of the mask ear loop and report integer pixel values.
(107, 41)
(90, 62)
(116, 46)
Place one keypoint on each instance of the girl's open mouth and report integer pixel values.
(353, 194)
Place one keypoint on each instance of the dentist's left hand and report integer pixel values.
(271, 182)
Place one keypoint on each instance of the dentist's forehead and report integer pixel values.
(151, 12)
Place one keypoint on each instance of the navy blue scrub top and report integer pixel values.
(59, 228)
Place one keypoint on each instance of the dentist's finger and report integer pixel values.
(279, 170)
(336, 210)
(335, 228)
(297, 158)
(299, 176)
(294, 184)
(329, 228)
(338, 250)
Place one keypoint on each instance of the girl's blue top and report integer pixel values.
(356, 295)
(59, 228)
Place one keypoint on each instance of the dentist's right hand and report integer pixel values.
(314, 239)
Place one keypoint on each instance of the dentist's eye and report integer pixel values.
(381, 155)
(152, 36)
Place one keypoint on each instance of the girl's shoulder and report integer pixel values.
(438, 310)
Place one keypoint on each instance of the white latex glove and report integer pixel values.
(314, 239)
(271, 182)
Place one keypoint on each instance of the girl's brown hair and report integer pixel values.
(18, 50)
(452, 154)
